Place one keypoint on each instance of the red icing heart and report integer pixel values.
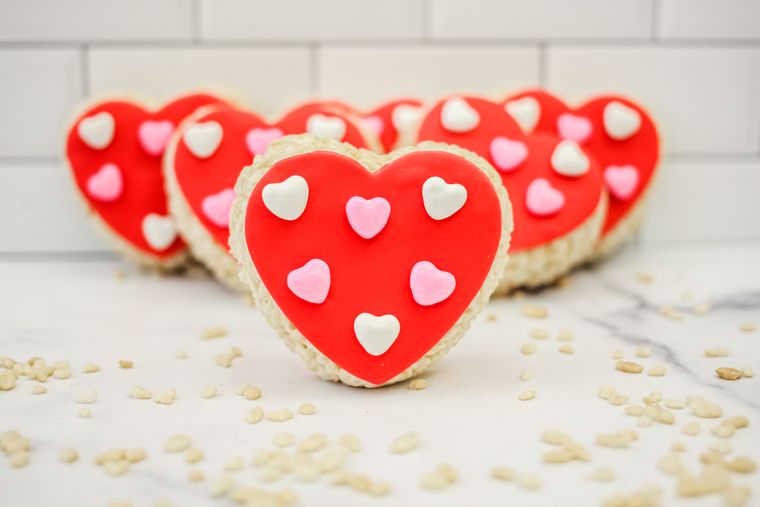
(132, 149)
(383, 119)
(244, 134)
(581, 194)
(372, 276)
(640, 150)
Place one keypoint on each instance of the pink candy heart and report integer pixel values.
(216, 207)
(507, 154)
(574, 128)
(107, 184)
(257, 140)
(429, 284)
(367, 216)
(153, 136)
(311, 282)
(622, 181)
(374, 123)
(542, 199)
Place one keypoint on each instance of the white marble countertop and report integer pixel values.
(469, 416)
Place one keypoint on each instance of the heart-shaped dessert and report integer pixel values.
(622, 137)
(204, 159)
(374, 304)
(392, 122)
(114, 151)
(555, 185)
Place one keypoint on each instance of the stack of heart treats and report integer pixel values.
(368, 239)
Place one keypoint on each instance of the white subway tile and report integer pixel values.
(540, 19)
(41, 213)
(367, 75)
(705, 99)
(268, 79)
(705, 200)
(95, 20)
(709, 19)
(310, 20)
(38, 90)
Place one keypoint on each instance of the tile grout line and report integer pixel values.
(84, 60)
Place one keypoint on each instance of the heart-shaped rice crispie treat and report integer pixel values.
(370, 267)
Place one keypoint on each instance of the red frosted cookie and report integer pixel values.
(114, 151)
(555, 186)
(204, 160)
(622, 137)
(392, 122)
(356, 258)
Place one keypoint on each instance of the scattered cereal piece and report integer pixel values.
(181, 354)
(7, 380)
(678, 447)
(255, 415)
(222, 486)
(721, 447)
(87, 398)
(671, 464)
(692, 429)
(602, 474)
(644, 421)
(534, 311)
(526, 375)
(136, 454)
(116, 468)
(68, 455)
(528, 481)
(617, 354)
(747, 372)
(628, 367)
(643, 352)
(443, 476)
(714, 479)
(491, 317)
(736, 496)
(139, 393)
(84, 413)
(567, 349)
(669, 312)
(417, 384)
(313, 443)
(634, 410)
(234, 464)
(165, 398)
(675, 404)
(738, 422)
(527, 395)
(178, 443)
(248, 391)
(644, 278)
(503, 473)
(723, 431)
(618, 439)
(208, 392)
(727, 373)
(193, 455)
(195, 476)
(528, 348)
(280, 415)
(307, 409)
(748, 327)
(125, 364)
(91, 368)
(39, 389)
(742, 465)
(716, 352)
(703, 408)
(405, 443)
(701, 309)
(565, 335)
(657, 371)
(213, 332)
(539, 333)
(283, 439)
(350, 442)
(225, 360)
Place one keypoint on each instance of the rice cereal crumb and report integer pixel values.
(748, 327)
(139, 393)
(213, 332)
(39, 389)
(91, 368)
(193, 455)
(417, 384)
(280, 415)
(643, 352)
(528, 481)
(727, 373)
(566, 349)
(68, 455)
(178, 443)
(255, 415)
(534, 311)
(628, 367)
(208, 392)
(503, 473)
(405, 443)
(195, 476)
(657, 371)
(307, 409)
(165, 398)
(526, 375)
(528, 348)
(126, 364)
(527, 395)
(84, 413)
(602, 474)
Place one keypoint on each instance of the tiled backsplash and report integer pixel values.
(694, 63)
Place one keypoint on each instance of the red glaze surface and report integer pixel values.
(373, 275)
(143, 191)
(200, 178)
(582, 194)
(640, 150)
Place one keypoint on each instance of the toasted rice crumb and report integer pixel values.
(178, 443)
(534, 311)
(68, 455)
(648, 496)
(567, 349)
(39, 389)
(213, 332)
(165, 398)
(528, 348)
(528, 481)
(748, 327)
(539, 333)
(716, 352)
(91, 368)
(405, 443)
(417, 384)
(193, 455)
(727, 373)
(701, 309)
(222, 486)
(678, 447)
(643, 352)
(139, 393)
(675, 403)
(618, 439)
(503, 473)
(691, 428)
(670, 312)
(628, 367)
(125, 364)
(280, 415)
(88, 398)
(491, 317)
(209, 392)
(350, 442)
(602, 474)
(307, 409)
(565, 335)
(84, 413)
(747, 372)
(742, 465)
(255, 415)
(526, 375)
(736, 496)
(234, 464)
(181, 354)
(617, 354)
(527, 395)
(313, 443)
(195, 476)
(283, 439)
(657, 371)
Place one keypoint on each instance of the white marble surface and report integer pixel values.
(469, 416)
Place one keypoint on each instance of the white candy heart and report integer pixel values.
(405, 115)
(202, 139)
(376, 334)
(621, 121)
(526, 112)
(569, 160)
(287, 199)
(458, 116)
(97, 131)
(159, 231)
(326, 126)
(442, 199)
